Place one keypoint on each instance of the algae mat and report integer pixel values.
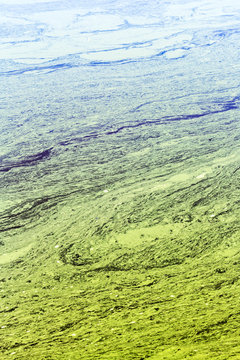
(146, 266)
(119, 182)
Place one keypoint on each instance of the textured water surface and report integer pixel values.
(119, 179)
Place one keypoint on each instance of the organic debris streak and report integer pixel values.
(28, 161)
(230, 105)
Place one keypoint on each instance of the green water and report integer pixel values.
(124, 245)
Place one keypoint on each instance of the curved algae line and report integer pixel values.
(13, 255)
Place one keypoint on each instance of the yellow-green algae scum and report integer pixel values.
(120, 212)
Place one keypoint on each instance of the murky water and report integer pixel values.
(119, 127)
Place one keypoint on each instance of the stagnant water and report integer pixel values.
(119, 179)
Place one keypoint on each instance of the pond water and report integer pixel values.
(119, 159)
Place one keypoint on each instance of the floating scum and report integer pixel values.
(119, 180)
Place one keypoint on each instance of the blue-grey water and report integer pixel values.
(70, 69)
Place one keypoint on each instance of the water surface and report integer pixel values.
(119, 171)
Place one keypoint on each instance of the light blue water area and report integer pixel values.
(33, 33)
